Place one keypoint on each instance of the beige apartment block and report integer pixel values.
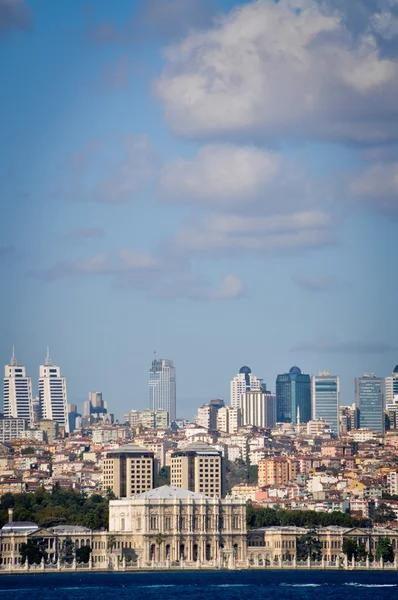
(200, 468)
(128, 470)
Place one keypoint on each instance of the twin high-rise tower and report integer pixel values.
(18, 400)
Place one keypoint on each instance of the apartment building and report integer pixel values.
(277, 470)
(128, 470)
(200, 468)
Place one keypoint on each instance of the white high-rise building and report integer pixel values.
(325, 398)
(391, 389)
(52, 394)
(162, 386)
(18, 402)
(244, 382)
(258, 409)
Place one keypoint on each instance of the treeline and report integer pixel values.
(269, 517)
(58, 507)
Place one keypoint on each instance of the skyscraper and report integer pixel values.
(17, 391)
(245, 381)
(293, 396)
(391, 388)
(162, 386)
(52, 394)
(95, 408)
(369, 400)
(325, 397)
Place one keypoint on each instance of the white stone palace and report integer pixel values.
(177, 525)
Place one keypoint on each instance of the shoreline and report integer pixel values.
(132, 571)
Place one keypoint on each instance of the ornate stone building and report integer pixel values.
(172, 524)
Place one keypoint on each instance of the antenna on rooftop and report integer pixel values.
(48, 359)
(13, 359)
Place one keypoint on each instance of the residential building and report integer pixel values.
(162, 386)
(154, 419)
(348, 419)
(325, 398)
(392, 483)
(128, 470)
(50, 429)
(369, 400)
(207, 416)
(52, 394)
(18, 403)
(12, 429)
(277, 470)
(258, 408)
(293, 397)
(132, 417)
(245, 381)
(200, 468)
(229, 419)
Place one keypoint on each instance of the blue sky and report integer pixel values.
(213, 180)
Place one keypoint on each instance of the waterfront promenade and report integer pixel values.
(114, 564)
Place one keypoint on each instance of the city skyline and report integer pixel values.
(245, 375)
(254, 225)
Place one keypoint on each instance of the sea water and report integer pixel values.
(225, 585)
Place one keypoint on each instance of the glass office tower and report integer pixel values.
(162, 387)
(369, 400)
(293, 397)
(325, 397)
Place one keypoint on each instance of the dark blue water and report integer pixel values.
(236, 585)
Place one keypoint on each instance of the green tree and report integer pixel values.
(33, 551)
(252, 474)
(27, 450)
(67, 552)
(385, 550)
(83, 554)
(163, 477)
(350, 548)
(308, 545)
(384, 513)
(111, 542)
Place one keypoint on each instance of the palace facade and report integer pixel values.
(177, 525)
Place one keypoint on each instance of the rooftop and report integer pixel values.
(129, 448)
(199, 447)
(70, 529)
(20, 526)
(169, 491)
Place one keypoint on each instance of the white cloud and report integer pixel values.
(226, 234)
(230, 287)
(220, 173)
(142, 271)
(269, 71)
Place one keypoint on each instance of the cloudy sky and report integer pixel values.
(213, 180)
